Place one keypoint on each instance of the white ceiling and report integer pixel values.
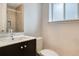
(13, 5)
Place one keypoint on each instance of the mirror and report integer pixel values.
(11, 17)
(15, 17)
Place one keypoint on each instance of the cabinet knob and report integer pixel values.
(21, 47)
(25, 46)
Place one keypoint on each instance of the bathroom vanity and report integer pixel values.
(20, 46)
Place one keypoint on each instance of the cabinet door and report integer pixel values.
(71, 11)
(11, 50)
(30, 48)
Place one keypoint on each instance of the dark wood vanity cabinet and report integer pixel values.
(26, 48)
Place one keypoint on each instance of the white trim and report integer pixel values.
(50, 13)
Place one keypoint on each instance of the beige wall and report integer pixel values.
(3, 18)
(62, 37)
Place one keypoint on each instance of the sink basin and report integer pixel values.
(16, 38)
(5, 39)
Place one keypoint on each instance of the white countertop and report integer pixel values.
(17, 39)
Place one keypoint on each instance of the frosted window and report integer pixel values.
(71, 11)
(58, 11)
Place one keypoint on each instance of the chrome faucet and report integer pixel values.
(11, 33)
